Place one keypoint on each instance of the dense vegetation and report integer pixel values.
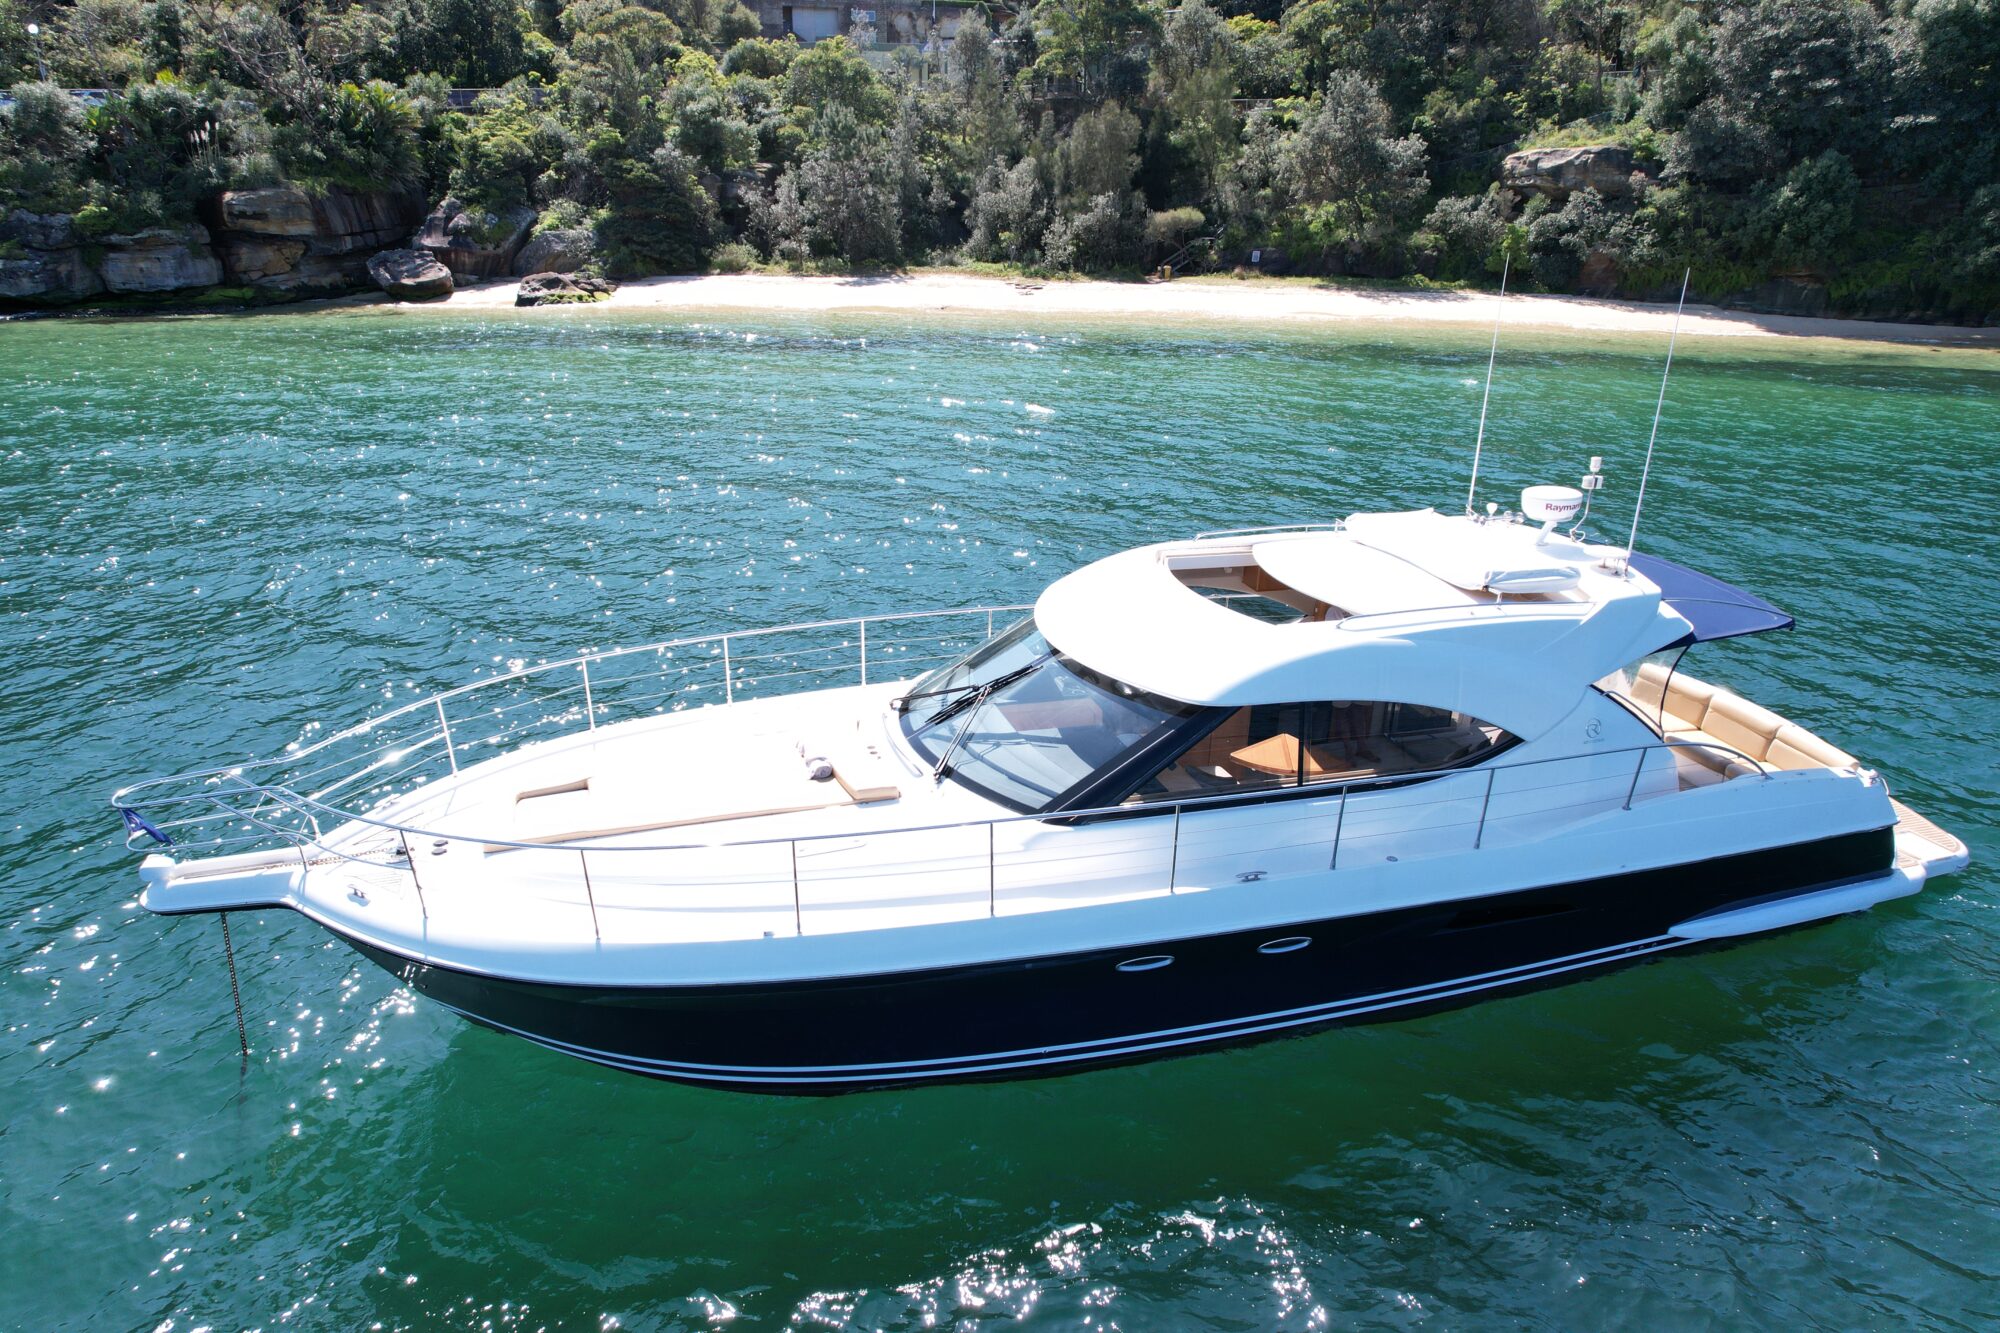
(1856, 144)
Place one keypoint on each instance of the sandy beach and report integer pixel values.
(1253, 300)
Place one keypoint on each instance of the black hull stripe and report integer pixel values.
(1095, 1051)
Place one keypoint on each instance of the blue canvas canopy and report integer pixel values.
(1717, 610)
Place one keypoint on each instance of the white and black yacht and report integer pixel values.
(1208, 791)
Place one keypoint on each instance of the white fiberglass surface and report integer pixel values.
(877, 873)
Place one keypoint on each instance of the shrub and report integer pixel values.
(1469, 234)
(1102, 237)
(733, 257)
(43, 145)
(1559, 240)
(1171, 228)
(362, 137)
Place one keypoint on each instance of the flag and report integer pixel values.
(136, 823)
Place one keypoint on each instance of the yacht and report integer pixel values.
(1214, 790)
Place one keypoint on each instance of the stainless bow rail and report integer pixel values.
(339, 785)
(344, 776)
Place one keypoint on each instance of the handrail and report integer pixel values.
(438, 699)
(1336, 525)
(1550, 610)
(306, 805)
(260, 809)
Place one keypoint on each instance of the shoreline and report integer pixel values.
(1251, 300)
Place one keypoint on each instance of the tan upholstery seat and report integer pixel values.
(1795, 747)
(1646, 685)
(1703, 768)
(1704, 715)
(1687, 698)
(1741, 725)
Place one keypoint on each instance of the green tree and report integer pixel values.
(832, 73)
(1009, 213)
(1787, 79)
(762, 57)
(514, 154)
(1950, 85)
(1099, 154)
(623, 40)
(1268, 64)
(1348, 169)
(706, 120)
(989, 123)
(1099, 43)
(843, 200)
(659, 219)
(1805, 221)
(474, 43)
(1194, 74)
(1102, 236)
(363, 137)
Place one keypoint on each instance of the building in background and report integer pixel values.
(875, 25)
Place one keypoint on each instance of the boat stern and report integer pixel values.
(1924, 847)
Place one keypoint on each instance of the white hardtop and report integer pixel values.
(1481, 617)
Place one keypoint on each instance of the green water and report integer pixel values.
(214, 532)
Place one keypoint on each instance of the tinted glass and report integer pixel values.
(1040, 732)
(1266, 746)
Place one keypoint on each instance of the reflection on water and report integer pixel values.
(223, 533)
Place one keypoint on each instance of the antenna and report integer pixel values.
(1506, 262)
(1640, 503)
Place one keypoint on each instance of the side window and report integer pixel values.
(1253, 749)
(1271, 746)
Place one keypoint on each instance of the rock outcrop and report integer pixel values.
(281, 210)
(410, 275)
(1559, 172)
(41, 260)
(472, 242)
(561, 289)
(261, 261)
(283, 239)
(564, 250)
(159, 259)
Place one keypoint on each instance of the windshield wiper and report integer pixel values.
(967, 703)
(969, 694)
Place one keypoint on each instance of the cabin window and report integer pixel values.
(1272, 746)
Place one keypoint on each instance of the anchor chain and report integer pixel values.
(235, 993)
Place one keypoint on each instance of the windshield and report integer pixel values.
(1010, 650)
(1023, 724)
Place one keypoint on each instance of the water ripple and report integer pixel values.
(223, 535)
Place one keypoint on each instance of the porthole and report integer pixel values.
(1289, 944)
(1150, 963)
